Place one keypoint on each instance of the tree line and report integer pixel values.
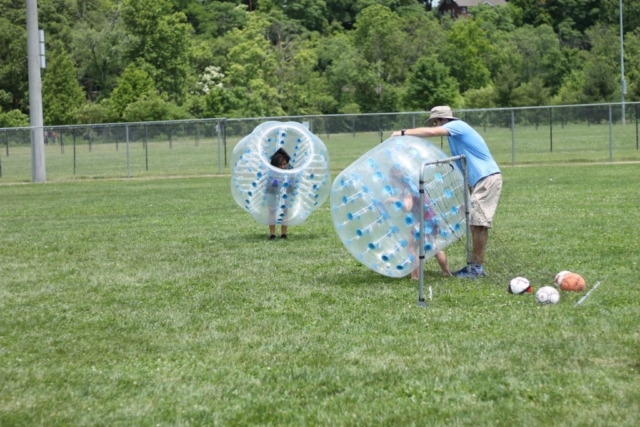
(138, 60)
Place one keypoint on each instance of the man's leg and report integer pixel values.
(479, 235)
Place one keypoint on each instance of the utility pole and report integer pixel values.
(623, 82)
(38, 170)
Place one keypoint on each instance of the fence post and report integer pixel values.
(126, 134)
(513, 138)
(170, 139)
(197, 134)
(6, 141)
(219, 126)
(224, 139)
(116, 138)
(353, 127)
(61, 143)
(74, 151)
(636, 107)
(146, 149)
(90, 139)
(551, 129)
(610, 135)
(0, 166)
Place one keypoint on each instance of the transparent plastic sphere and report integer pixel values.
(280, 196)
(375, 205)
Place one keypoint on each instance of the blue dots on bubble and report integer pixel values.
(288, 195)
(369, 210)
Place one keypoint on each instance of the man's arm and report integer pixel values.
(424, 132)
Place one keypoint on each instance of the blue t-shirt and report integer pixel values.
(464, 140)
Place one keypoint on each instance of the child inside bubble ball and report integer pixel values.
(407, 197)
(279, 160)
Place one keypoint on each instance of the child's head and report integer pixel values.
(280, 159)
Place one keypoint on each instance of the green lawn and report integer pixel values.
(160, 302)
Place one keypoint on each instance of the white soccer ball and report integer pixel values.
(547, 295)
(558, 280)
(519, 285)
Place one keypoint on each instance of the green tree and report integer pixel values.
(99, 47)
(216, 102)
(532, 93)
(423, 36)
(632, 64)
(154, 107)
(536, 44)
(466, 53)
(311, 14)
(135, 83)
(162, 40)
(583, 14)
(571, 90)
(13, 118)
(480, 98)
(430, 84)
(494, 18)
(601, 82)
(505, 83)
(62, 96)
(339, 63)
(304, 90)
(13, 64)
(533, 12)
(216, 18)
(96, 112)
(250, 83)
(378, 36)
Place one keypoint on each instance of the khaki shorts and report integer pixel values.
(484, 200)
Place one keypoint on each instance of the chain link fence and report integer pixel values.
(528, 135)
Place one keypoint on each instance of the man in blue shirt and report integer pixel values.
(483, 172)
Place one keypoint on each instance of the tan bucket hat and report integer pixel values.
(441, 112)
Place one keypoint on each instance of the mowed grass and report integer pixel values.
(160, 302)
(197, 156)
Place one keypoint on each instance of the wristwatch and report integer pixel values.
(402, 132)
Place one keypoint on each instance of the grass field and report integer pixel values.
(160, 302)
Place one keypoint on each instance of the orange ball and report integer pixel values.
(572, 282)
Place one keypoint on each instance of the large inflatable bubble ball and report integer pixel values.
(280, 196)
(375, 205)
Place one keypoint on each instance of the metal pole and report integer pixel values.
(74, 151)
(38, 169)
(126, 132)
(551, 129)
(463, 160)
(467, 206)
(513, 138)
(421, 301)
(623, 82)
(636, 115)
(610, 134)
(218, 131)
(146, 149)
